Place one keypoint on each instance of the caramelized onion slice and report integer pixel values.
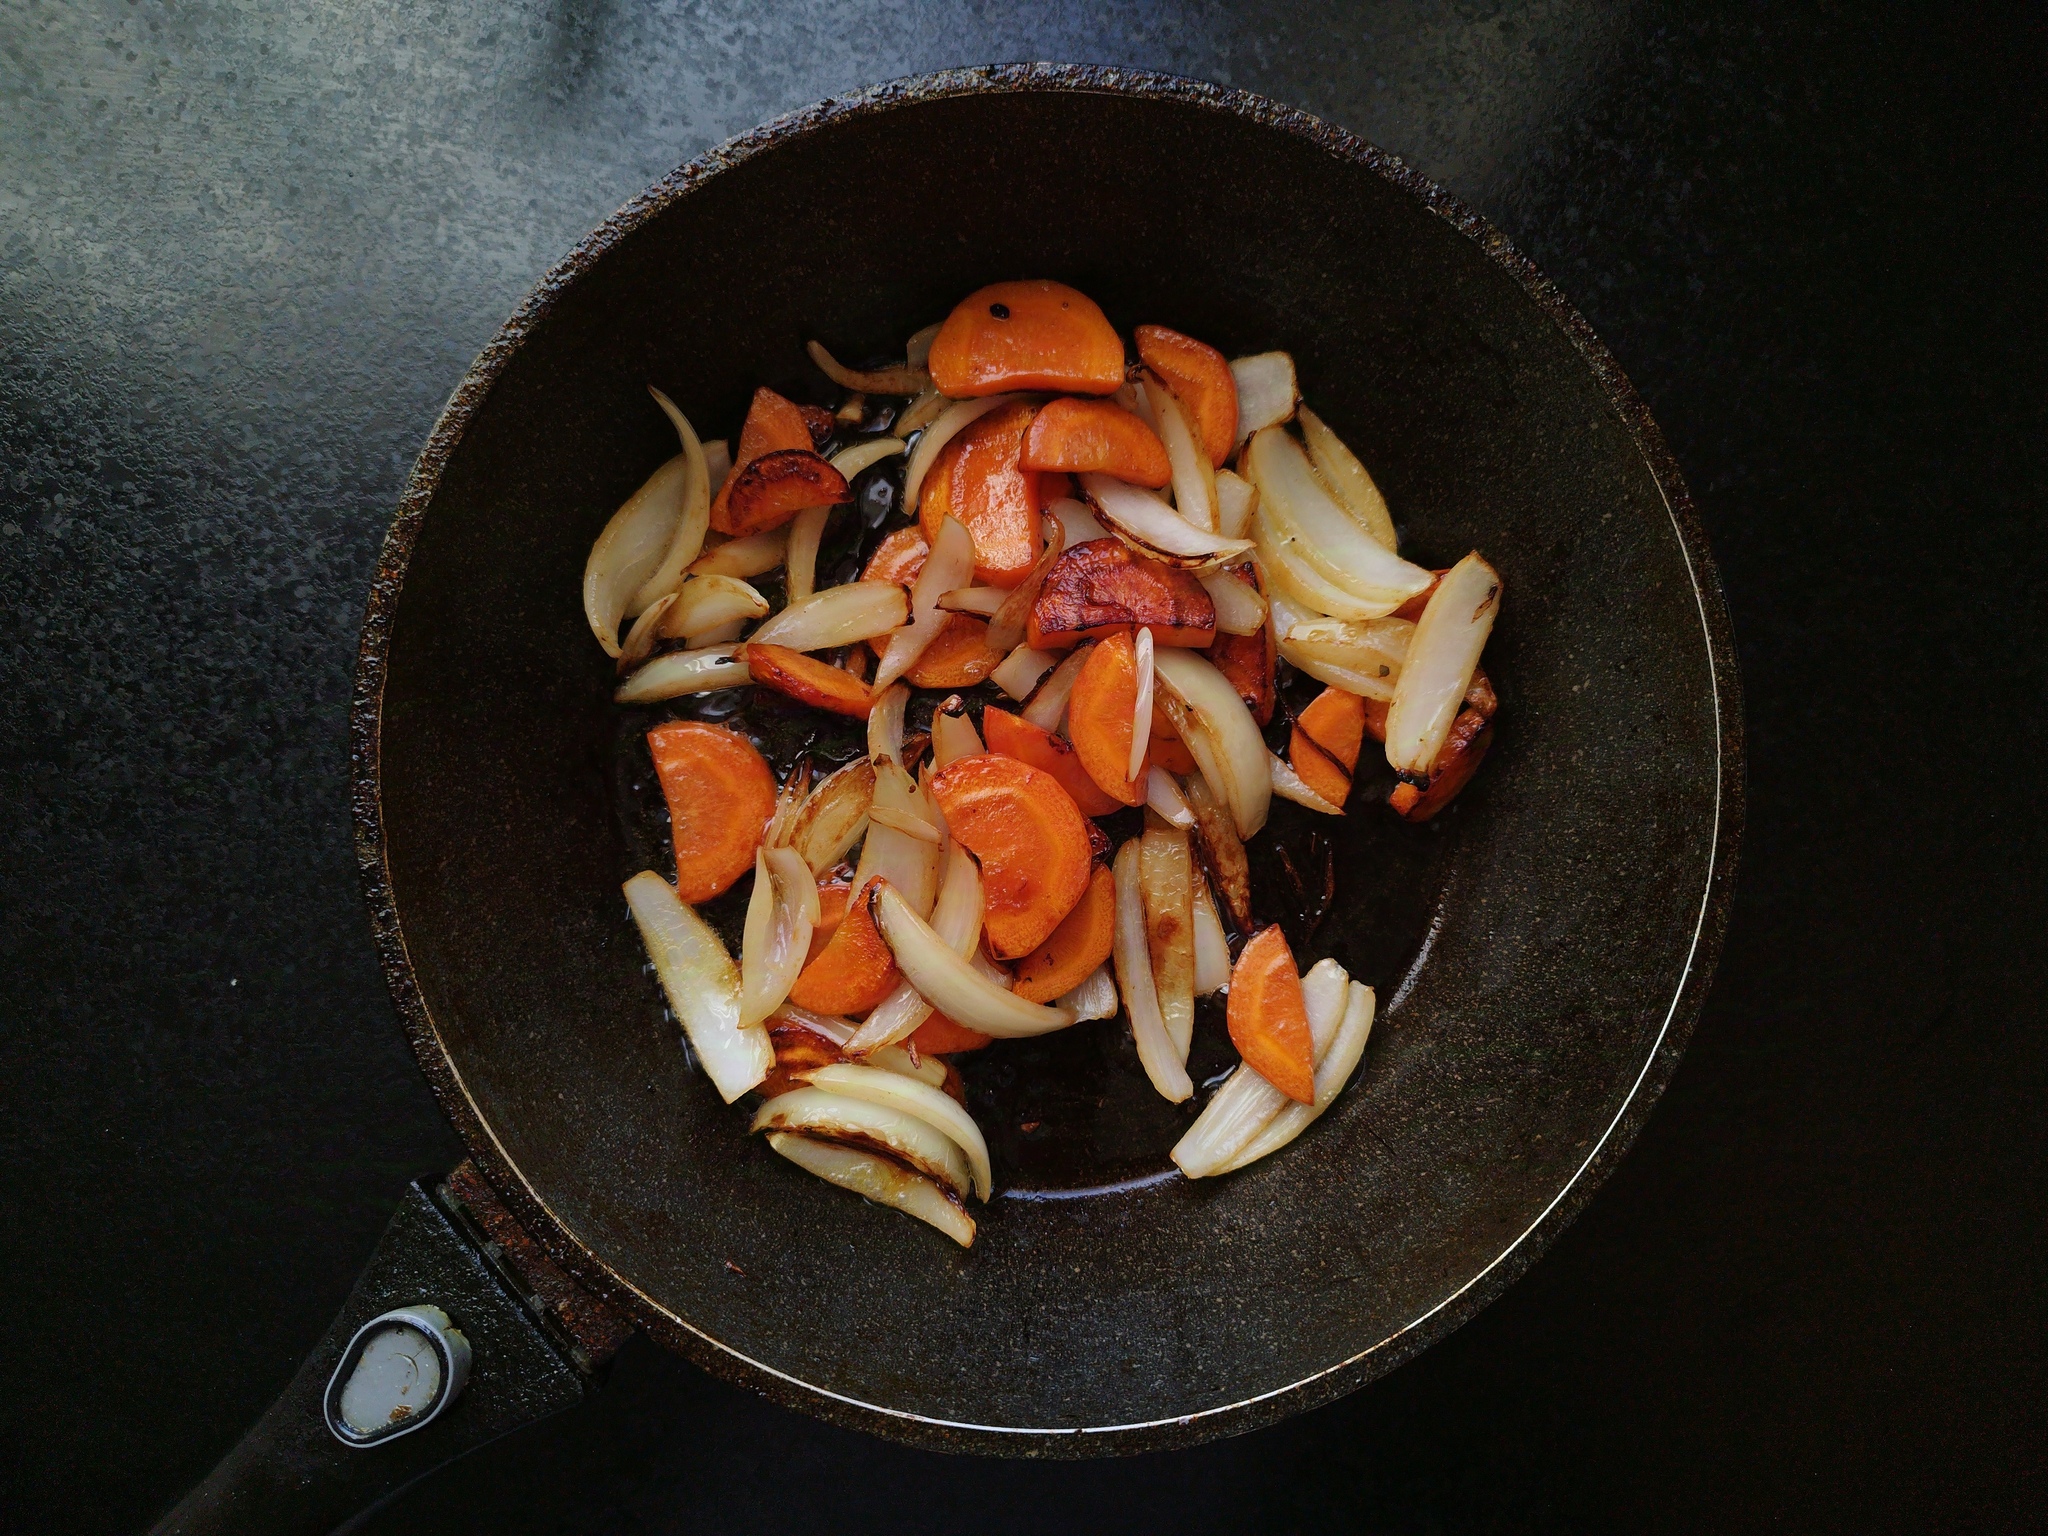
(684, 672)
(705, 603)
(1294, 580)
(1164, 799)
(1006, 624)
(952, 985)
(956, 918)
(909, 863)
(755, 555)
(631, 548)
(1094, 998)
(1157, 1052)
(1236, 498)
(702, 984)
(834, 817)
(1048, 706)
(872, 381)
(1194, 478)
(857, 610)
(1153, 528)
(688, 539)
(1212, 950)
(1166, 886)
(1220, 733)
(1077, 524)
(880, 1179)
(953, 734)
(980, 601)
(1239, 608)
(1267, 393)
(1221, 849)
(885, 724)
(1333, 1071)
(639, 642)
(1438, 668)
(1299, 512)
(1344, 474)
(851, 461)
(1288, 785)
(900, 1134)
(1141, 710)
(1364, 657)
(1018, 673)
(780, 916)
(873, 1085)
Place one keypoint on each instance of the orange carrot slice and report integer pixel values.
(1412, 609)
(809, 680)
(1376, 719)
(855, 970)
(1463, 750)
(1200, 379)
(770, 490)
(1168, 751)
(1019, 738)
(1026, 335)
(1083, 436)
(976, 478)
(958, 657)
(1099, 712)
(1080, 943)
(832, 899)
(772, 424)
(940, 1036)
(1031, 842)
(898, 558)
(1268, 1018)
(1103, 584)
(1053, 487)
(1324, 744)
(1247, 661)
(720, 795)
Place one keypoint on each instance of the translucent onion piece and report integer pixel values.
(905, 822)
(720, 634)
(780, 916)
(880, 1179)
(1077, 522)
(851, 461)
(718, 462)
(901, 1134)
(1235, 499)
(1018, 673)
(1094, 998)
(952, 985)
(1266, 391)
(702, 984)
(893, 1058)
(1239, 608)
(1438, 670)
(1361, 656)
(1344, 474)
(919, 348)
(981, 601)
(937, 1109)
(631, 548)
(1212, 950)
(953, 734)
(885, 724)
(681, 672)
(1222, 851)
(1163, 798)
(806, 530)
(1048, 706)
(827, 1025)
(949, 565)
(874, 381)
(920, 413)
(858, 610)
(956, 918)
(1141, 711)
(1006, 624)
(910, 864)
(789, 799)
(1299, 511)
(835, 816)
(1332, 1073)
(710, 602)
(1154, 529)
(687, 542)
(755, 555)
(1166, 881)
(1294, 580)
(1194, 479)
(639, 643)
(951, 422)
(1157, 1052)
(1225, 740)
(1288, 785)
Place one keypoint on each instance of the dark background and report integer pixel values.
(243, 259)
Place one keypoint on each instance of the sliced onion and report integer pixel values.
(953, 734)
(806, 531)
(919, 347)
(1212, 950)
(858, 610)
(1293, 579)
(1333, 1071)
(1441, 655)
(872, 1085)
(1153, 528)
(1077, 522)
(631, 548)
(880, 1179)
(1222, 851)
(1006, 625)
(1048, 706)
(953, 986)
(1220, 733)
(720, 634)
(1194, 478)
(1094, 998)
(1364, 657)
(826, 1025)
(717, 462)
(818, 1112)
(951, 422)
(949, 565)
(639, 643)
(1141, 711)
(1345, 475)
(893, 1058)
(1166, 887)
(956, 919)
(1164, 799)
(835, 816)
(1156, 1050)
(1288, 785)
(981, 601)
(851, 461)
(1301, 513)
(910, 864)
(703, 986)
(710, 602)
(906, 822)
(1239, 608)
(687, 542)
(780, 916)
(755, 555)
(1236, 498)
(874, 381)
(789, 799)
(885, 724)
(920, 413)
(1266, 391)
(682, 672)
(1018, 673)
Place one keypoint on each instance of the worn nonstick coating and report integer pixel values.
(1568, 908)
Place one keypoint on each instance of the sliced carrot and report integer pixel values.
(1167, 750)
(1268, 1017)
(770, 490)
(855, 970)
(1324, 745)
(1463, 751)
(898, 558)
(1376, 719)
(772, 424)
(1099, 716)
(1019, 738)
(720, 795)
(809, 680)
(940, 1036)
(1412, 609)
(1095, 436)
(822, 424)
(1026, 335)
(1080, 943)
(1052, 488)
(1247, 661)
(1103, 584)
(832, 899)
(976, 479)
(1200, 379)
(1031, 842)
(958, 657)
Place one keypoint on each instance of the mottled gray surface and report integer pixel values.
(243, 258)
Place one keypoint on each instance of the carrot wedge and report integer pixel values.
(720, 795)
(1247, 661)
(855, 970)
(809, 680)
(1031, 842)
(1201, 381)
(832, 898)
(1026, 335)
(898, 558)
(1268, 1017)
(1081, 942)
(1099, 716)
(1324, 745)
(958, 657)
(772, 425)
(1167, 750)
(940, 1036)
(1101, 584)
(1089, 436)
(1014, 737)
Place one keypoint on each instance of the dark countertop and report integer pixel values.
(243, 261)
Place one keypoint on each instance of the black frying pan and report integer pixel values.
(1541, 951)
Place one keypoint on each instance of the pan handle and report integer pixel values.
(459, 1331)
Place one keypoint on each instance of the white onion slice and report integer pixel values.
(682, 672)
(909, 863)
(893, 1058)
(1094, 998)
(789, 799)
(1364, 657)
(755, 555)
(826, 1025)
(818, 1112)
(800, 556)
(631, 548)
(705, 603)
(951, 422)
(780, 916)
(1048, 706)
(1077, 522)
(1441, 655)
(919, 348)
(880, 1179)
(835, 816)
(1345, 475)
(1289, 785)
(1153, 528)
(1141, 710)
(981, 601)
(1266, 391)
(1239, 608)
(937, 1109)
(1292, 579)
(1212, 950)
(857, 610)
(906, 822)
(1332, 1073)
(851, 461)
(956, 918)
(720, 634)
(1299, 511)
(885, 724)
(949, 565)
(1163, 797)
(953, 734)
(717, 462)
(872, 381)
(1156, 1050)
(1194, 478)
(920, 413)
(1006, 625)
(1236, 498)
(1018, 673)
(702, 984)
(1166, 887)
(1220, 733)
(688, 540)
(639, 642)
(953, 986)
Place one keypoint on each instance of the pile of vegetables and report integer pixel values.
(1129, 553)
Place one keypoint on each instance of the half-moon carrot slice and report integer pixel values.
(832, 899)
(809, 680)
(772, 424)
(1103, 584)
(958, 657)
(1019, 738)
(1026, 335)
(898, 558)
(1031, 842)
(855, 970)
(1247, 662)
(768, 491)
(976, 479)
(1324, 745)
(720, 795)
(1201, 381)
(1090, 436)
(1268, 1018)
(1081, 942)
(1099, 716)
(1463, 750)
(1168, 751)
(940, 1036)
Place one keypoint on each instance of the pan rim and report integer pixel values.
(674, 1331)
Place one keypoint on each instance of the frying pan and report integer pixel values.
(1541, 950)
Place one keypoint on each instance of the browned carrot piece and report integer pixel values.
(958, 657)
(976, 479)
(1463, 750)
(770, 490)
(1095, 436)
(832, 898)
(809, 680)
(1030, 840)
(797, 1050)
(940, 1036)
(1099, 716)
(1103, 584)
(720, 795)
(772, 424)
(1247, 661)
(1167, 751)
(1268, 1018)
(1018, 738)
(1052, 488)
(1080, 943)
(1026, 335)
(821, 422)
(898, 558)
(1376, 719)
(1324, 745)
(855, 970)
(1200, 379)
(1412, 609)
